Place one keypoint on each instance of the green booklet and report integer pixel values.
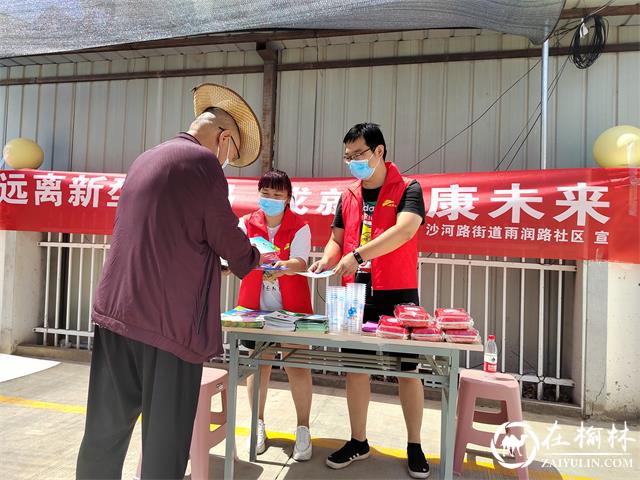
(312, 327)
(313, 323)
(263, 245)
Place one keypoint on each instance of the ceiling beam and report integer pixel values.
(332, 64)
(621, 10)
(447, 57)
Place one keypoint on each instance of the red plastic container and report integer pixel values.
(410, 310)
(453, 319)
(390, 327)
(389, 321)
(413, 316)
(418, 323)
(470, 335)
(428, 334)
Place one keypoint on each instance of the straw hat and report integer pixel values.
(209, 95)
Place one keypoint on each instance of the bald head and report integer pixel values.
(217, 117)
(213, 127)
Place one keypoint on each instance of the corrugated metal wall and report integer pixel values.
(421, 106)
(103, 126)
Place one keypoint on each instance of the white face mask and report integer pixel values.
(226, 162)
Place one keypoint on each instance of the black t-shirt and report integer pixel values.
(382, 301)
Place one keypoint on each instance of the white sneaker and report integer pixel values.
(261, 438)
(303, 449)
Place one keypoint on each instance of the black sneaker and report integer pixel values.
(351, 451)
(416, 461)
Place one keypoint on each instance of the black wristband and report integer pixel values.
(359, 258)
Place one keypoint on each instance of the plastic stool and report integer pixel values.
(476, 384)
(214, 381)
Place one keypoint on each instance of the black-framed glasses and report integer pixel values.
(354, 156)
(234, 143)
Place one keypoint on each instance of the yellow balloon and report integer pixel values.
(618, 147)
(23, 153)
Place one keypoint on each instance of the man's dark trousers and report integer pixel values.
(129, 378)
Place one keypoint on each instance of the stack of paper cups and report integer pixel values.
(355, 301)
(336, 307)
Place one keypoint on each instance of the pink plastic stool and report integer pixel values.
(476, 384)
(214, 381)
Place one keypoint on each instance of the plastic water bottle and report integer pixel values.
(491, 355)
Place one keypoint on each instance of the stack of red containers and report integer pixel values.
(410, 321)
(457, 325)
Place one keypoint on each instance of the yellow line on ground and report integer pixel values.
(317, 442)
(57, 407)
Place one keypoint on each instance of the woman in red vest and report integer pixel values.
(275, 290)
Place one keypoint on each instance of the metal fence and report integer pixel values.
(527, 303)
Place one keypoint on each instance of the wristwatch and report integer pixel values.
(358, 257)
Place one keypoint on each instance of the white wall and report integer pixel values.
(612, 385)
(21, 288)
(623, 338)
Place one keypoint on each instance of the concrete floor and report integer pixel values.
(42, 419)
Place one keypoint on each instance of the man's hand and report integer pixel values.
(320, 266)
(263, 260)
(347, 266)
(279, 273)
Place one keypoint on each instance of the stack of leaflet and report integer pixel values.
(282, 320)
(313, 323)
(244, 318)
(268, 250)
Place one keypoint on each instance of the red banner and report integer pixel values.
(577, 214)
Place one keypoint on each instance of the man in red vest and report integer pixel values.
(374, 241)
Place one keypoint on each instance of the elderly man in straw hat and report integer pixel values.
(157, 307)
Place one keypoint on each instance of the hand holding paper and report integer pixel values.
(325, 274)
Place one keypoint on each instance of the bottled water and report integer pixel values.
(491, 355)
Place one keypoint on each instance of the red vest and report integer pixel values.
(296, 296)
(397, 269)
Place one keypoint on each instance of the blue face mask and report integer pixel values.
(361, 169)
(271, 206)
